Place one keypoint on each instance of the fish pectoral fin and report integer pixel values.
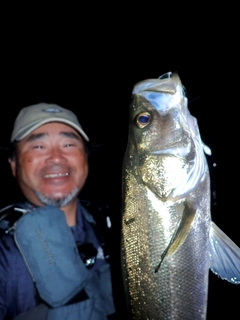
(180, 233)
(224, 255)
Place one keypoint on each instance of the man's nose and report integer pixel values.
(56, 156)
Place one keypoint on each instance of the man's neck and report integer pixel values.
(70, 211)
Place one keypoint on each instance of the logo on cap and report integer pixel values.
(52, 110)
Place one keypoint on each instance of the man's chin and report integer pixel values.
(57, 200)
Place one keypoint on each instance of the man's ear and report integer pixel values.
(13, 166)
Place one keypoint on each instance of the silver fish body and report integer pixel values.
(168, 239)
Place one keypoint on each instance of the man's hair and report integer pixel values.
(12, 150)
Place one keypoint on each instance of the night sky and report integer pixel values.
(94, 75)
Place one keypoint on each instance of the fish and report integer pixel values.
(168, 239)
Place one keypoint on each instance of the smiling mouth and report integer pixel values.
(56, 175)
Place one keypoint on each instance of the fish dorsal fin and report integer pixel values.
(224, 255)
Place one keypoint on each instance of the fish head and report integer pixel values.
(159, 114)
(164, 137)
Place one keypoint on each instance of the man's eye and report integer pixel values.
(37, 147)
(69, 144)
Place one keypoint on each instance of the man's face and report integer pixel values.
(52, 162)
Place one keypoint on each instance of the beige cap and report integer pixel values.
(32, 117)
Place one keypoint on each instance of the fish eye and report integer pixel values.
(143, 119)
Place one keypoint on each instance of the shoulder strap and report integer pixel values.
(99, 219)
(10, 214)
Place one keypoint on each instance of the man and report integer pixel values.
(41, 275)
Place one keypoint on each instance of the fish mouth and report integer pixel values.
(56, 175)
(176, 151)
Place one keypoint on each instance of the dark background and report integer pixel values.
(89, 63)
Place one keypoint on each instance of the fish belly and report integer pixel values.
(178, 290)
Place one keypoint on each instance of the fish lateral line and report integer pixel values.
(180, 233)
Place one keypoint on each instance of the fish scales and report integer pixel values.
(160, 295)
(166, 206)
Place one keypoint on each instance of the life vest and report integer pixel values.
(51, 253)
